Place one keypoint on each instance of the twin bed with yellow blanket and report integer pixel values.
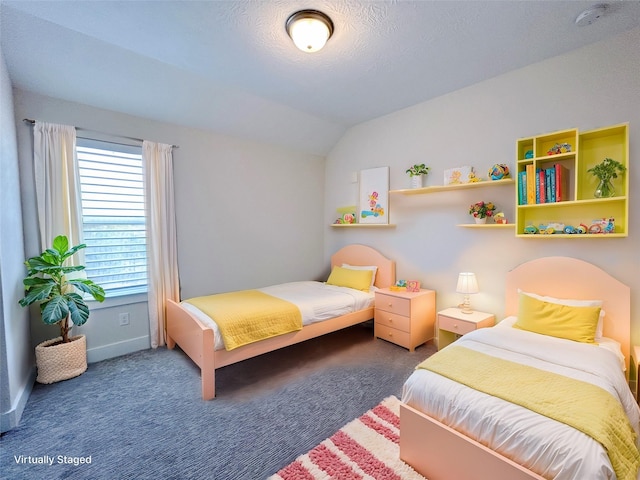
(222, 329)
(531, 398)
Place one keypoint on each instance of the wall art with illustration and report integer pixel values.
(374, 196)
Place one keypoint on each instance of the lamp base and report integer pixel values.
(465, 306)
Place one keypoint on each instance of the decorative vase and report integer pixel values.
(604, 189)
(61, 361)
(480, 220)
(416, 181)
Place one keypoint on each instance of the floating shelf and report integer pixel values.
(363, 225)
(490, 225)
(457, 186)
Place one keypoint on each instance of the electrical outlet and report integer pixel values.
(124, 319)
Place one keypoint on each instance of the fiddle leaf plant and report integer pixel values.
(53, 285)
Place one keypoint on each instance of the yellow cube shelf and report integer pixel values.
(563, 158)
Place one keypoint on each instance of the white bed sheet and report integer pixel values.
(317, 301)
(517, 432)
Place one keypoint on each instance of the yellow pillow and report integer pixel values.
(346, 277)
(563, 321)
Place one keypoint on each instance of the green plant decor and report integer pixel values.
(416, 170)
(606, 171)
(48, 283)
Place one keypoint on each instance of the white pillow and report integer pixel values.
(604, 342)
(373, 269)
(570, 302)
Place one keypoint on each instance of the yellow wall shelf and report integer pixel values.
(579, 206)
(363, 225)
(457, 186)
(487, 225)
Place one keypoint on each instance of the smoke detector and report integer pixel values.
(591, 15)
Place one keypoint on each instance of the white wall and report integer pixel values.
(16, 357)
(248, 214)
(595, 86)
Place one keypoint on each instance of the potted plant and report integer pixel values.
(417, 173)
(57, 289)
(481, 210)
(605, 171)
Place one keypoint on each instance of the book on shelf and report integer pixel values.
(522, 187)
(531, 185)
(541, 187)
(550, 183)
(561, 183)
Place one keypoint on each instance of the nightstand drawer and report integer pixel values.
(392, 320)
(393, 335)
(455, 325)
(397, 305)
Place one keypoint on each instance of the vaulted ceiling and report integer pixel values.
(229, 66)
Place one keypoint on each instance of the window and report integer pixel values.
(113, 215)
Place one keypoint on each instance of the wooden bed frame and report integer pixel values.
(197, 340)
(439, 452)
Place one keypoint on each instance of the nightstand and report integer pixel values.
(405, 318)
(634, 374)
(452, 324)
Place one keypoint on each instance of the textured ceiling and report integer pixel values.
(228, 66)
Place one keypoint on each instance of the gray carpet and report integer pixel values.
(141, 416)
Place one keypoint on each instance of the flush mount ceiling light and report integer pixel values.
(309, 29)
(591, 15)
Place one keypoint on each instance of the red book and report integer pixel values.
(562, 183)
(542, 186)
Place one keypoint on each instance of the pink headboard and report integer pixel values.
(363, 255)
(566, 277)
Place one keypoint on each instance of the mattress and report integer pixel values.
(317, 302)
(545, 446)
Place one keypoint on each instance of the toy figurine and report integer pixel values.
(530, 229)
(500, 218)
(499, 171)
(559, 148)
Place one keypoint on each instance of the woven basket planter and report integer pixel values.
(61, 361)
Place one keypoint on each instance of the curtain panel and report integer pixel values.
(57, 184)
(162, 250)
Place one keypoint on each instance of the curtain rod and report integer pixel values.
(28, 120)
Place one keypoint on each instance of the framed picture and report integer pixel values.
(374, 196)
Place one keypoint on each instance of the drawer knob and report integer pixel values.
(390, 320)
(390, 304)
(390, 334)
(455, 325)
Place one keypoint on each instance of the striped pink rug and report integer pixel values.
(366, 448)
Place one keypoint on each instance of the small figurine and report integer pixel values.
(610, 227)
(530, 229)
(559, 148)
(528, 154)
(570, 229)
(500, 218)
(499, 171)
(582, 229)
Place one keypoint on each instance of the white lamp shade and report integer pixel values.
(309, 30)
(467, 283)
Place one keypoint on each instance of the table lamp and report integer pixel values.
(467, 284)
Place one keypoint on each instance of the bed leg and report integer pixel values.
(171, 344)
(208, 370)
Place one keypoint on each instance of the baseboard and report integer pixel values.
(11, 419)
(117, 349)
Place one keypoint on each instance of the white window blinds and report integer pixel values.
(113, 215)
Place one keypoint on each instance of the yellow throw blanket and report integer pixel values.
(249, 315)
(581, 405)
